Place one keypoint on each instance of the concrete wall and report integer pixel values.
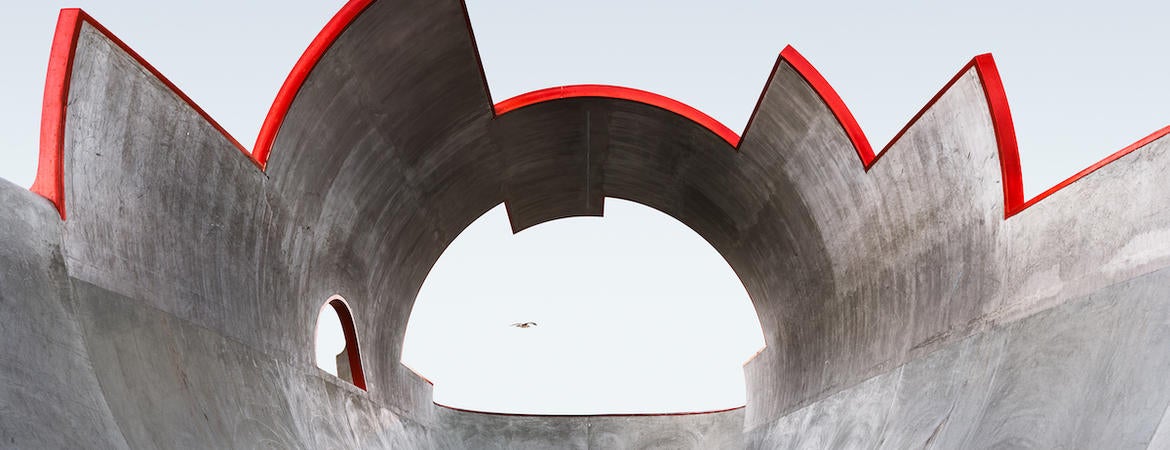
(1086, 374)
(175, 306)
(152, 292)
(49, 395)
(923, 264)
(718, 430)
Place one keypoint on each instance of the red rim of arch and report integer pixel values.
(296, 78)
(352, 347)
(49, 182)
(622, 93)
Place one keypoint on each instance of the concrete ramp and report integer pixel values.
(159, 285)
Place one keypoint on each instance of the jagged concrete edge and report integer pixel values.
(49, 179)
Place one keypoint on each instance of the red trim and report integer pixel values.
(833, 101)
(622, 93)
(1102, 163)
(1005, 133)
(351, 342)
(296, 78)
(50, 180)
(1001, 119)
(984, 65)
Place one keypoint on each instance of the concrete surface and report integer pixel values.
(717, 430)
(175, 307)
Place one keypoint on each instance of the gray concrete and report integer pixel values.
(175, 307)
(1087, 374)
(718, 430)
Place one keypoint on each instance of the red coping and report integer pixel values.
(49, 182)
(353, 353)
(618, 92)
(292, 85)
(1001, 120)
(50, 179)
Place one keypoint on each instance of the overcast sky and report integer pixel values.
(1084, 78)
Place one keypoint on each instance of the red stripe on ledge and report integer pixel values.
(50, 178)
(49, 181)
(1001, 119)
(622, 93)
(832, 100)
(296, 78)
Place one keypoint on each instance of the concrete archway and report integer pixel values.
(898, 304)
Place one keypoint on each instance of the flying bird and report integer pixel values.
(524, 324)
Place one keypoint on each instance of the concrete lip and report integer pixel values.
(161, 297)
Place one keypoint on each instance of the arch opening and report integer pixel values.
(633, 313)
(336, 346)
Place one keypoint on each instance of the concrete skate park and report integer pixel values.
(160, 282)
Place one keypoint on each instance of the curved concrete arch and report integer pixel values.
(899, 307)
(618, 93)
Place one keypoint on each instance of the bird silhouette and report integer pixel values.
(524, 324)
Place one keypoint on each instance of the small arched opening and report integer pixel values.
(336, 348)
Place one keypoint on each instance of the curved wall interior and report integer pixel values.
(166, 294)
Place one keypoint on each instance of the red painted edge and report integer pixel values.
(353, 353)
(997, 103)
(50, 179)
(1099, 164)
(622, 93)
(300, 71)
(833, 101)
(1001, 119)
(1005, 132)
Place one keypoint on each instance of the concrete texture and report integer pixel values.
(175, 306)
(717, 430)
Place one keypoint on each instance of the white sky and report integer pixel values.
(1084, 78)
(634, 313)
(330, 339)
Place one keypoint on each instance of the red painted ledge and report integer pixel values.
(296, 78)
(49, 181)
(1001, 118)
(622, 93)
(50, 178)
(352, 349)
(1099, 164)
